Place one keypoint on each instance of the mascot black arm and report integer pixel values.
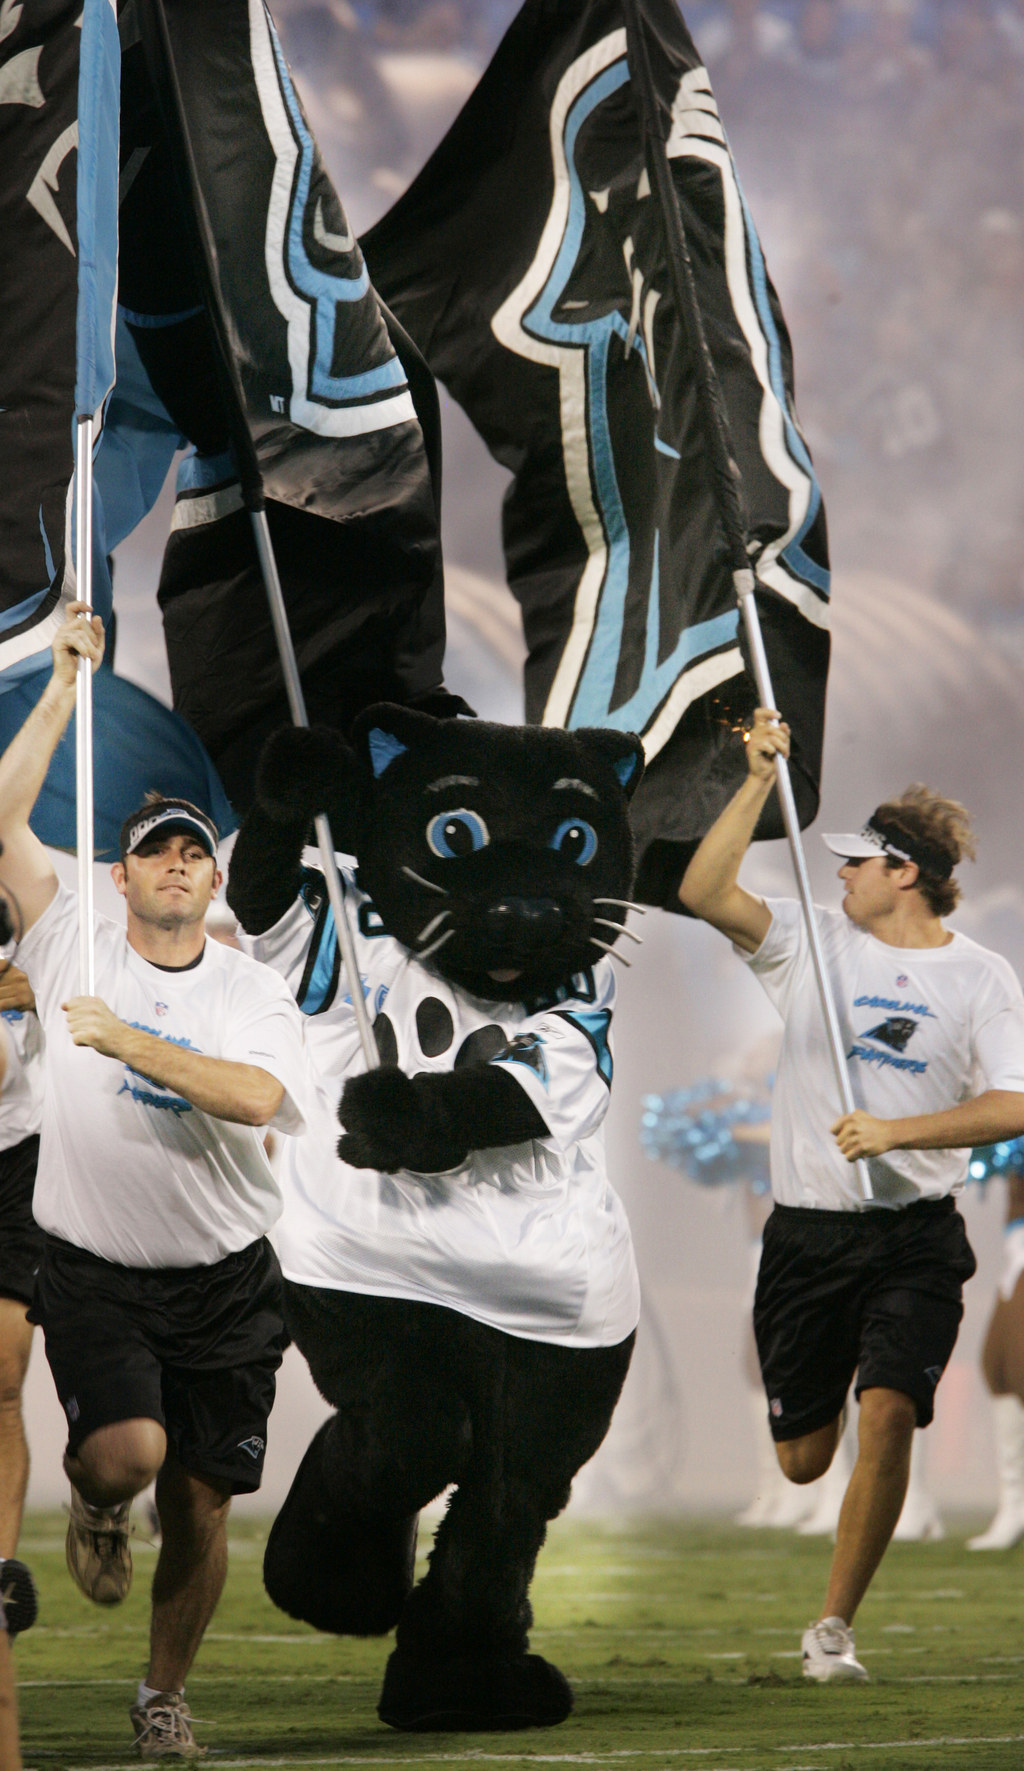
(302, 772)
(429, 1123)
(263, 879)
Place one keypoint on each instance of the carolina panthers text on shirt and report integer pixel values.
(906, 1008)
(889, 1060)
(145, 1096)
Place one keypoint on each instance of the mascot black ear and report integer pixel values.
(622, 750)
(384, 732)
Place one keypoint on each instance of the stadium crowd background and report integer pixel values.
(881, 147)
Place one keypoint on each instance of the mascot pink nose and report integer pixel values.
(532, 920)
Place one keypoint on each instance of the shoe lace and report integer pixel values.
(108, 1544)
(106, 1526)
(168, 1720)
(834, 1638)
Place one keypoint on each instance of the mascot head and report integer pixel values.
(501, 855)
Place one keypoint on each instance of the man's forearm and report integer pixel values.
(24, 763)
(712, 874)
(988, 1119)
(244, 1094)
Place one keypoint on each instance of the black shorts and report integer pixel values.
(21, 1239)
(195, 1348)
(877, 1292)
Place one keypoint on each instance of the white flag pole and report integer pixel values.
(83, 710)
(325, 841)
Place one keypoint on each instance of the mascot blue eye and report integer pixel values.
(576, 839)
(452, 834)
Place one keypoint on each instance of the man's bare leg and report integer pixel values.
(116, 1463)
(805, 1459)
(190, 1573)
(15, 1348)
(10, 1751)
(874, 1497)
(112, 1465)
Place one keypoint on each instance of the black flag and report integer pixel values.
(247, 332)
(532, 265)
(301, 384)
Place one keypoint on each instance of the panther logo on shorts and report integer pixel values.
(71, 1408)
(254, 1445)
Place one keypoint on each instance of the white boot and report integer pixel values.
(830, 1490)
(1007, 1528)
(776, 1502)
(919, 1522)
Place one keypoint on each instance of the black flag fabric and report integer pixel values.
(328, 400)
(531, 264)
(248, 335)
(38, 291)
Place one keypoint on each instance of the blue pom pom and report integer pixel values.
(694, 1130)
(1004, 1158)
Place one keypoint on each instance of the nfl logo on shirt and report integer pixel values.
(161, 1008)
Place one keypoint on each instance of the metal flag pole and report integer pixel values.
(83, 715)
(726, 475)
(325, 841)
(99, 116)
(744, 583)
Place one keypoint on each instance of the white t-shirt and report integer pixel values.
(21, 1096)
(923, 1028)
(529, 1238)
(128, 1169)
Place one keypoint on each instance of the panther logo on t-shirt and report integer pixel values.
(896, 1032)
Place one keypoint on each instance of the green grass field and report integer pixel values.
(681, 1640)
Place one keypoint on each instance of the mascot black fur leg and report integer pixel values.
(477, 1693)
(461, 1659)
(341, 1552)
(337, 1570)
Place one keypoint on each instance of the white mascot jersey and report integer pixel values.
(529, 1238)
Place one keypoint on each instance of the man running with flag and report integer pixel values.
(158, 1292)
(843, 1289)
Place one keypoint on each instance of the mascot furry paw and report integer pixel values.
(458, 1270)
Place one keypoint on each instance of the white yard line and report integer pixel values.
(616, 1757)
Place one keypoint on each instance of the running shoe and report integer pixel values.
(828, 1653)
(17, 1595)
(163, 1728)
(98, 1557)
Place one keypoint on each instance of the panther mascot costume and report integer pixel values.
(458, 1271)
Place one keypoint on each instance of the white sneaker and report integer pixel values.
(1006, 1529)
(828, 1653)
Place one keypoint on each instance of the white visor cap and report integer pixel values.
(863, 846)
